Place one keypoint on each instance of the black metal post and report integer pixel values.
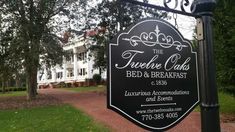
(210, 121)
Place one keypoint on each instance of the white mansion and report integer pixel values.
(77, 70)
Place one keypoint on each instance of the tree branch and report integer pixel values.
(59, 9)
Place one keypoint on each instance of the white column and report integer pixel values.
(118, 26)
(89, 66)
(64, 69)
(45, 76)
(75, 64)
(38, 79)
(53, 74)
(38, 75)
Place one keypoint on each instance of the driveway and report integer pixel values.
(94, 104)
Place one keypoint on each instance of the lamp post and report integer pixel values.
(210, 121)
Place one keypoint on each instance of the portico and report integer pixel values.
(76, 69)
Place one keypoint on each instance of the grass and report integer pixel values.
(79, 89)
(47, 119)
(13, 94)
(226, 102)
(87, 89)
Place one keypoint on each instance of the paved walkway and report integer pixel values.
(94, 104)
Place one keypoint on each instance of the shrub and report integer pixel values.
(228, 89)
(97, 78)
(9, 89)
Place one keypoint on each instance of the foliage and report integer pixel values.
(98, 51)
(47, 119)
(97, 78)
(113, 16)
(35, 28)
(224, 36)
(9, 89)
(9, 62)
(87, 89)
(226, 102)
(14, 94)
(34, 32)
(228, 89)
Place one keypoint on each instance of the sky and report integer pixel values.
(186, 25)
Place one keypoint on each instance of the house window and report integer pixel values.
(70, 59)
(49, 75)
(59, 75)
(40, 75)
(70, 73)
(82, 71)
(81, 56)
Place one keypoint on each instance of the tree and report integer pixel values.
(9, 62)
(98, 51)
(224, 36)
(35, 33)
(6, 65)
(97, 78)
(111, 17)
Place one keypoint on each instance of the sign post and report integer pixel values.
(209, 98)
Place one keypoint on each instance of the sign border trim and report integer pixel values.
(111, 106)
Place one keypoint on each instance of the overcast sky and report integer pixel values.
(186, 25)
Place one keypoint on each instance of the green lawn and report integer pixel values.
(226, 102)
(48, 119)
(87, 89)
(15, 93)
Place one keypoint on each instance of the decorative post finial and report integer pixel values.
(203, 7)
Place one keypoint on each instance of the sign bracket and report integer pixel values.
(167, 9)
(200, 35)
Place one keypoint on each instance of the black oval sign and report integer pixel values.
(153, 75)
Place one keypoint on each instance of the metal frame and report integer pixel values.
(200, 9)
(182, 5)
